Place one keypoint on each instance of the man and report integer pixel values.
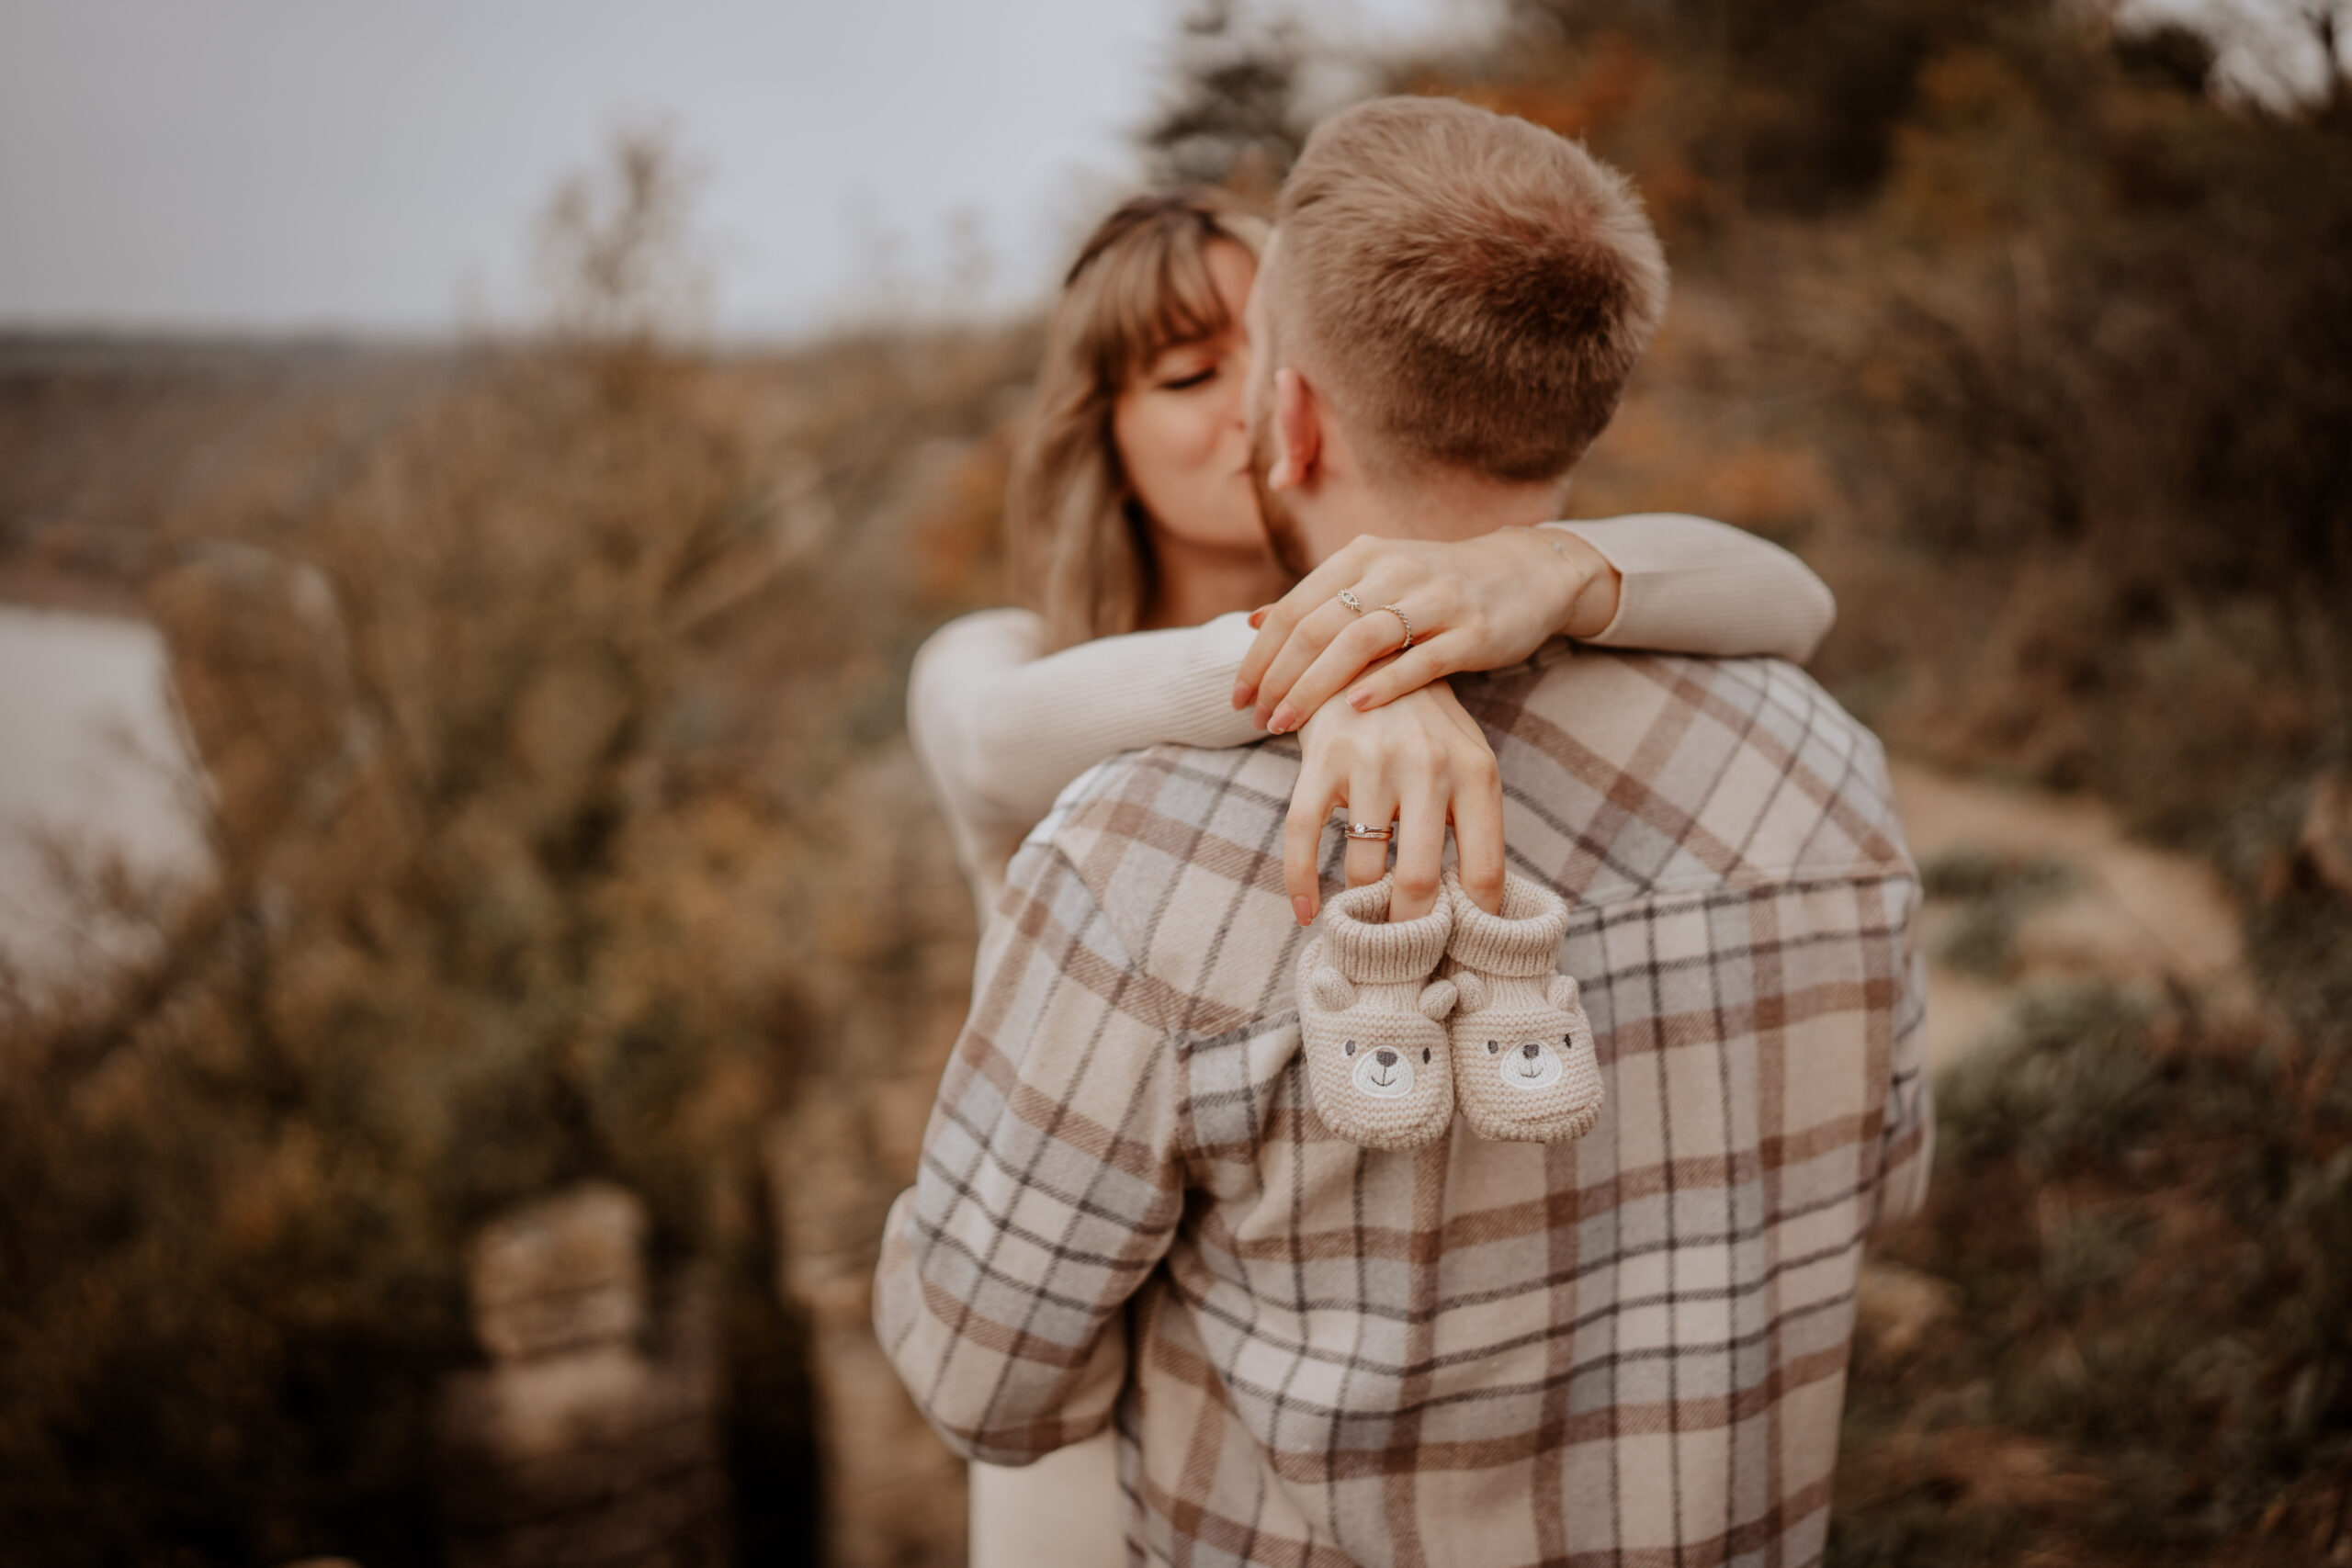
(1631, 1347)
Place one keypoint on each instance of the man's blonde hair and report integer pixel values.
(1473, 289)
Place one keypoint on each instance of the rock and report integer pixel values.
(2326, 840)
(581, 1443)
(1894, 1307)
(562, 1274)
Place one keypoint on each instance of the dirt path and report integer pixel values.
(2114, 909)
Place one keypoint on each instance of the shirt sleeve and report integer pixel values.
(1049, 1188)
(1907, 1134)
(1001, 727)
(1694, 585)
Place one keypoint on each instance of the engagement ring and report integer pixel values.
(1367, 831)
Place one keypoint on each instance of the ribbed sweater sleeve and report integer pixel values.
(1001, 727)
(1692, 585)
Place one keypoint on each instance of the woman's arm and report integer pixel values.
(1660, 580)
(1694, 585)
(1000, 726)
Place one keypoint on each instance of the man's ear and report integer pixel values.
(1298, 431)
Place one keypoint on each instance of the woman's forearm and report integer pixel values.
(1003, 726)
(1692, 585)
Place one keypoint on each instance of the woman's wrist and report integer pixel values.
(1591, 582)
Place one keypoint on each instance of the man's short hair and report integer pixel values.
(1473, 289)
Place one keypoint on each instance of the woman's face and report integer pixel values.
(1180, 431)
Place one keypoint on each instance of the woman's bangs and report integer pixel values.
(1160, 296)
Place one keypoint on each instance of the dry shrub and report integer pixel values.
(2158, 1364)
(472, 937)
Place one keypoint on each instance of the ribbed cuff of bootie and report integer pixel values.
(1523, 940)
(1361, 941)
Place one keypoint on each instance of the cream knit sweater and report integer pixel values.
(1001, 727)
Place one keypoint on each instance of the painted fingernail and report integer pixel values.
(1284, 721)
(1360, 698)
(1244, 693)
(1257, 617)
(1304, 908)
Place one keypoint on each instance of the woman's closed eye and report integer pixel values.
(1185, 381)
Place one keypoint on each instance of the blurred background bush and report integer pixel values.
(548, 691)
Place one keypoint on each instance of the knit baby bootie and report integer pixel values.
(1523, 1064)
(1370, 1020)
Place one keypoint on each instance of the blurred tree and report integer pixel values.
(1232, 114)
(472, 937)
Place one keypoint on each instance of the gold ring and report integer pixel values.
(1348, 597)
(1402, 622)
(1367, 831)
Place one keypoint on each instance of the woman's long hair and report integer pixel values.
(1081, 544)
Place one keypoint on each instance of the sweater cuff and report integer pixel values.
(1212, 654)
(1624, 544)
(1525, 940)
(1365, 947)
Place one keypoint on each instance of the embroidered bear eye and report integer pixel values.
(1425, 1052)
(1494, 1048)
(1350, 1049)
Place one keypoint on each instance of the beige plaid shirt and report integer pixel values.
(1629, 1349)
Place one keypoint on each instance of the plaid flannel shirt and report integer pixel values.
(1627, 1349)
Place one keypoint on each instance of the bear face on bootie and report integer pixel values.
(1524, 1067)
(1379, 1065)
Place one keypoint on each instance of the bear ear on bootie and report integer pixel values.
(1332, 991)
(1438, 998)
(1379, 1065)
(1561, 992)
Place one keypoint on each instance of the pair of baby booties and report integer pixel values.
(1402, 1021)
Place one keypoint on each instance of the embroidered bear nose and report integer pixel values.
(1531, 1048)
(1388, 1058)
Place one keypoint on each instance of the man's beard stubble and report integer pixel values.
(1284, 537)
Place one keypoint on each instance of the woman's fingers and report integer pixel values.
(1478, 832)
(1310, 813)
(1276, 622)
(1362, 641)
(1420, 855)
(1409, 671)
(1306, 642)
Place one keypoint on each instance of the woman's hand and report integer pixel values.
(1474, 605)
(1417, 762)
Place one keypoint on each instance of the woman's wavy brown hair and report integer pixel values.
(1081, 544)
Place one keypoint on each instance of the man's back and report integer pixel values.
(1476, 1353)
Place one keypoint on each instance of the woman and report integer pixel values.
(1135, 523)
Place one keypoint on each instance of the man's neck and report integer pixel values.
(1443, 507)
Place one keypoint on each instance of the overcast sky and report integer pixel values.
(283, 164)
